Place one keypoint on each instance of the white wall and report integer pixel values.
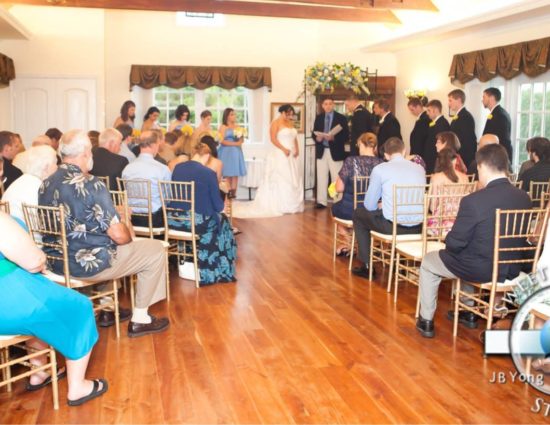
(427, 66)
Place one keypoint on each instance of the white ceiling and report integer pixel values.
(10, 28)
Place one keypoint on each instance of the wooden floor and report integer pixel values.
(297, 340)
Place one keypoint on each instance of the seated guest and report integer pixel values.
(8, 150)
(529, 163)
(146, 168)
(217, 249)
(94, 138)
(55, 135)
(469, 246)
(40, 163)
(100, 246)
(107, 161)
(213, 163)
(397, 171)
(167, 152)
(55, 315)
(161, 141)
(540, 172)
(445, 173)
(354, 166)
(486, 139)
(417, 159)
(127, 142)
(448, 139)
(19, 143)
(42, 140)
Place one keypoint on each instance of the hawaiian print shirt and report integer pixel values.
(89, 212)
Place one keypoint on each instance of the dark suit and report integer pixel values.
(540, 173)
(419, 134)
(501, 126)
(469, 246)
(362, 121)
(11, 173)
(389, 128)
(108, 164)
(337, 150)
(430, 153)
(464, 126)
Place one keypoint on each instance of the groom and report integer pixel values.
(329, 150)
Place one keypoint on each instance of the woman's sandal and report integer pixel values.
(96, 392)
(343, 252)
(60, 375)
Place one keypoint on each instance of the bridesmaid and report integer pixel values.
(230, 151)
(150, 119)
(182, 118)
(127, 114)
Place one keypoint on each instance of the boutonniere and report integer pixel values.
(490, 116)
(455, 117)
(432, 124)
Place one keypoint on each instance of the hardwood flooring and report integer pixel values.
(298, 339)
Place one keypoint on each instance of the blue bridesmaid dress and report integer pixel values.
(232, 157)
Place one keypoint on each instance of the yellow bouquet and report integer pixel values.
(332, 190)
(240, 132)
(187, 130)
(136, 132)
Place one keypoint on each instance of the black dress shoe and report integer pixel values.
(425, 327)
(320, 206)
(140, 329)
(362, 271)
(107, 318)
(467, 318)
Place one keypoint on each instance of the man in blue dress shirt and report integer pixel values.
(397, 171)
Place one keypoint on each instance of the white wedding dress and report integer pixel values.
(281, 189)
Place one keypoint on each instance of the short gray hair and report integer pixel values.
(74, 143)
(109, 134)
(38, 159)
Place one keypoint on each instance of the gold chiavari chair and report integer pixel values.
(360, 184)
(440, 210)
(512, 229)
(47, 227)
(471, 177)
(408, 207)
(544, 199)
(536, 191)
(178, 207)
(517, 183)
(513, 177)
(106, 181)
(1, 188)
(7, 362)
(5, 207)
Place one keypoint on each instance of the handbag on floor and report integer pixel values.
(186, 270)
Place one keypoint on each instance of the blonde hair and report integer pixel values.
(368, 140)
(201, 149)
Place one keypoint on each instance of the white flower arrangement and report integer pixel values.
(325, 77)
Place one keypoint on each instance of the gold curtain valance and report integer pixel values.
(199, 77)
(7, 70)
(530, 57)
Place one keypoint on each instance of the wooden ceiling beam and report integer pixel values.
(233, 7)
(366, 4)
(426, 5)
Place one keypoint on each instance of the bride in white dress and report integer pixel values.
(281, 189)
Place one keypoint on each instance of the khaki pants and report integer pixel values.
(325, 165)
(147, 259)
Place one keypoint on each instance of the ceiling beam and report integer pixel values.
(427, 5)
(366, 4)
(233, 7)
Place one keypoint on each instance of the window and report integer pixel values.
(214, 99)
(533, 114)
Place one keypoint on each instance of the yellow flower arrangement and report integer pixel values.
(323, 76)
(415, 93)
(332, 190)
(187, 130)
(240, 132)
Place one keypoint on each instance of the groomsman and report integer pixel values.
(419, 133)
(463, 125)
(437, 124)
(498, 120)
(329, 151)
(389, 126)
(362, 121)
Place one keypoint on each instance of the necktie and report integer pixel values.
(327, 128)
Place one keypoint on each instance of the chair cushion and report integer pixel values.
(348, 223)
(385, 237)
(414, 249)
(164, 243)
(180, 234)
(142, 230)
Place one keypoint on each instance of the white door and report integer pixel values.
(42, 103)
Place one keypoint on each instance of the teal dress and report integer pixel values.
(30, 304)
(232, 157)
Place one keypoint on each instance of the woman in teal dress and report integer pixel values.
(216, 248)
(32, 305)
(230, 151)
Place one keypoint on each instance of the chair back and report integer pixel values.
(513, 177)
(178, 205)
(138, 192)
(5, 207)
(1, 188)
(120, 202)
(517, 183)
(513, 228)
(46, 226)
(106, 181)
(408, 205)
(360, 185)
(536, 190)
(544, 199)
(471, 177)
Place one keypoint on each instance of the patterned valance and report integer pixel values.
(7, 70)
(530, 57)
(199, 77)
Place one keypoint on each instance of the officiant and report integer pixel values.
(330, 132)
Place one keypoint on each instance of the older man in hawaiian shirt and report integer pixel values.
(100, 246)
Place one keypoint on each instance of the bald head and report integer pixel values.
(42, 140)
(487, 139)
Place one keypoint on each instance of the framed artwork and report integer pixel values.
(298, 117)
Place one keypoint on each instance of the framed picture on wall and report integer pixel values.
(298, 117)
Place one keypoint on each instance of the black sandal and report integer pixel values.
(344, 252)
(96, 392)
(60, 375)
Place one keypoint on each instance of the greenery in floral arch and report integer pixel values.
(326, 77)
